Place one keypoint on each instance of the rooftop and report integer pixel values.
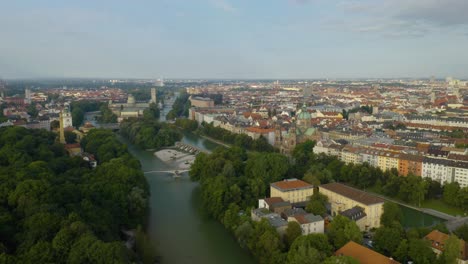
(291, 184)
(351, 193)
(363, 254)
(438, 239)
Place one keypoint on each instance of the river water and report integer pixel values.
(181, 233)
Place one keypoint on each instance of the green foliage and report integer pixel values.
(152, 112)
(293, 231)
(149, 133)
(420, 251)
(451, 250)
(387, 239)
(343, 230)
(180, 107)
(313, 247)
(54, 209)
(340, 260)
(70, 137)
(391, 213)
(32, 110)
(107, 116)
(462, 232)
(79, 108)
(317, 203)
(186, 124)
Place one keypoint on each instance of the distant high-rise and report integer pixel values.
(27, 96)
(2, 89)
(153, 95)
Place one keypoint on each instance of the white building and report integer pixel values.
(310, 223)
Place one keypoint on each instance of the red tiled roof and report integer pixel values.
(438, 239)
(363, 254)
(273, 200)
(291, 184)
(351, 193)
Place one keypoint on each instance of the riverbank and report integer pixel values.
(215, 141)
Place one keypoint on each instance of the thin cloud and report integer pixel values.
(413, 18)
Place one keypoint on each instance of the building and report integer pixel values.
(410, 164)
(300, 131)
(357, 215)
(274, 204)
(129, 109)
(274, 219)
(201, 102)
(310, 223)
(438, 239)
(363, 255)
(292, 190)
(153, 96)
(342, 198)
(437, 170)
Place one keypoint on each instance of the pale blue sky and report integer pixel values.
(233, 38)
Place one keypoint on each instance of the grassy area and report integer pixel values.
(439, 205)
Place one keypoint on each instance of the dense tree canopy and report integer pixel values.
(55, 209)
(149, 133)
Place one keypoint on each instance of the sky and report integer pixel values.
(236, 39)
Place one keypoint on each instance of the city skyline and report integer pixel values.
(222, 39)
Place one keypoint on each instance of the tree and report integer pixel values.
(462, 232)
(451, 192)
(420, 251)
(313, 247)
(401, 253)
(317, 203)
(340, 260)
(451, 250)
(54, 124)
(293, 231)
(387, 239)
(70, 137)
(342, 230)
(391, 213)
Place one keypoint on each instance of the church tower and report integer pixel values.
(153, 96)
(278, 136)
(62, 130)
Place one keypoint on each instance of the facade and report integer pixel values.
(274, 204)
(310, 223)
(201, 102)
(388, 160)
(342, 198)
(363, 255)
(300, 131)
(410, 164)
(131, 108)
(292, 190)
(437, 170)
(438, 239)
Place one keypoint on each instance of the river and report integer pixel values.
(182, 234)
(180, 231)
